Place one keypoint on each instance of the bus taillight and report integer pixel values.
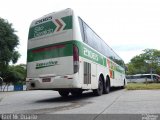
(75, 58)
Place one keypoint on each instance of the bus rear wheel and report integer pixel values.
(124, 85)
(107, 86)
(63, 93)
(99, 90)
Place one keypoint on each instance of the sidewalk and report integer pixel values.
(9, 91)
(3, 94)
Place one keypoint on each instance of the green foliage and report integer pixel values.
(15, 74)
(145, 62)
(8, 43)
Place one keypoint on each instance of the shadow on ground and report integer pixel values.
(85, 95)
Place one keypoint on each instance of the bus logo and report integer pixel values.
(90, 54)
(46, 64)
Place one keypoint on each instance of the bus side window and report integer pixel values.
(81, 28)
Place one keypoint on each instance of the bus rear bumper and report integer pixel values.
(53, 83)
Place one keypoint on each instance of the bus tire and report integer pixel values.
(124, 84)
(99, 90)
(106, 86)
(63, 93)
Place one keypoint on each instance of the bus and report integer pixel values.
(64, 54)
(140, 78)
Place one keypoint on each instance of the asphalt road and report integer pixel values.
(119, 102)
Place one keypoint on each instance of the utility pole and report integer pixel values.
(150, 62)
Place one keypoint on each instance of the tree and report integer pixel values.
(8, 43)
(15, 75)
(146, 62)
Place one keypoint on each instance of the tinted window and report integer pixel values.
(93, 40)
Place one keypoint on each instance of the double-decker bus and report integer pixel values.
(64, 54)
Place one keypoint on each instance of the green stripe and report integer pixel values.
(50, 53)
(55, 51)
(68, 21)
(43, 29)
(48, 28)
(90, 54)
(65, 51)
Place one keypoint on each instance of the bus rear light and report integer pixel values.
(75, 53)
(75, 58)
(67, 77)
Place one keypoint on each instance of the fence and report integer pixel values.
(13, 88)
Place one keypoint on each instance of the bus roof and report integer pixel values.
(47, 17)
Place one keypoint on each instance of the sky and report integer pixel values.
(127, 26)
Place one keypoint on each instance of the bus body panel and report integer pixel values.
(50, 56)
(53, 67)
(56, 82)
(55, 38)
(45, 55)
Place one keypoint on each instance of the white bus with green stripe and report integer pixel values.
(64, 54)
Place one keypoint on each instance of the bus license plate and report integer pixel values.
(46, 79)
